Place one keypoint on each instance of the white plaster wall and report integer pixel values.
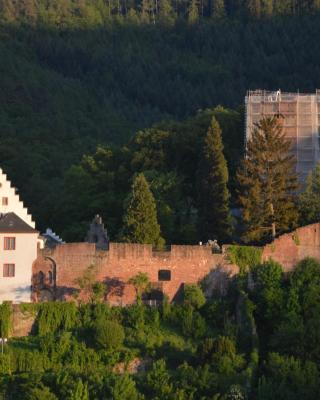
(14, 203)
(18, 288)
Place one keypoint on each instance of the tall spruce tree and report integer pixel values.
(140, 224)
(268, 183)
(214, 213)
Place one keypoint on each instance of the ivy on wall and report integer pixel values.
(246, 257)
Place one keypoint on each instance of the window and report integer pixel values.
(50, 277)
(8, 270)
(5, 201)
(164, 275)
(9, 243)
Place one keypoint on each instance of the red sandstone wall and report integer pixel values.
(292, 247)
(188, 264)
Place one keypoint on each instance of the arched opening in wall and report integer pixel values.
(52, 267)
(41, 278)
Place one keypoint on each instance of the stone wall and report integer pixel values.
(290, 248)
(187, 264)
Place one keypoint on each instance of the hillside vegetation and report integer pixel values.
(254, 343)
(75, 74)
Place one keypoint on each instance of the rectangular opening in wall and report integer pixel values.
(164, 275)
(5, 201)
(8, 270)
(9, 243)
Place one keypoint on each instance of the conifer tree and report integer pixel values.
(218, 8)
(140, 223)
(166, 12)
(193, 11)
(254, 8)
(147, 11)
(266, 7)
(215, 220)
(268, 182)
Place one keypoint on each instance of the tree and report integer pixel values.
(109, 334)
(268, 296)
(254, 8)
(215, 219)
(268, 182)
(193, 295)
(92, 289)
(147, 11)
(193, 11)
(79, 392)
(125, 389)
(158, 380)
(218, 8)
(140, 219)
(166, 11)
(309, 199)
(141, 284)
(267, 7)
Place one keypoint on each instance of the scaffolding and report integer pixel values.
(301, 120)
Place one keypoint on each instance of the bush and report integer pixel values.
(109, 335)
(246, 257)
(192, 323)
(194, 296)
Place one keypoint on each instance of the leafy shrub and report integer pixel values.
(246, 257)
(109, 335)
(192, 324)
(194, 296)
(56, 316)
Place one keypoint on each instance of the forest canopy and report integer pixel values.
(76, 78)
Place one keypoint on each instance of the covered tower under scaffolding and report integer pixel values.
(301, 120)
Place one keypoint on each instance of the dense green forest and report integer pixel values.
(74, 76)
(259, 341)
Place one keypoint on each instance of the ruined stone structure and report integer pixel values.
(290, 248)
(98, 234)
(56, 270)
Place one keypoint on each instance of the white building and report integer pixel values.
(18, 245)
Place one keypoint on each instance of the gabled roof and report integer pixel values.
(11, 223)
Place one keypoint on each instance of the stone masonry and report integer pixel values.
(56, 270)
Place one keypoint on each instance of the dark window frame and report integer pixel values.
(164, 275)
